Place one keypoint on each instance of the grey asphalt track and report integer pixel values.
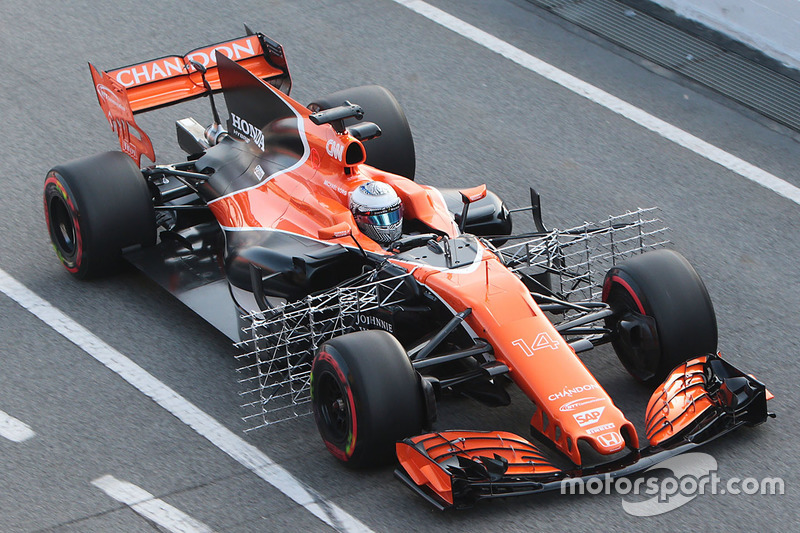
(476, 118)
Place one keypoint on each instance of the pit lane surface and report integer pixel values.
(477, 118)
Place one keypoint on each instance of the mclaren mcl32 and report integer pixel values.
(256, 231)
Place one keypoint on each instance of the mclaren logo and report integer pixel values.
(245, 130)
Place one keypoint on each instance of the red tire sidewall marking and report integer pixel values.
(625, 285)
(352, 437)
(53, 181)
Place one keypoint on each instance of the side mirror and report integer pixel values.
(467, 197)
(342, 229)
(474, 194)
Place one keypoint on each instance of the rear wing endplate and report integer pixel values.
(117, 109)
(125, 91)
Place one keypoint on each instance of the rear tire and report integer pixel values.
(393, 151)
(94, 208)
(663, 314)
(365, 396)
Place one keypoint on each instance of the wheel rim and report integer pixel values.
(333, 408)
(628, 343)
(62, 226)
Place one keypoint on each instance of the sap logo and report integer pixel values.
(610, 440)
(542, 341)
(246, 130)
(334, 149)
(587, 418)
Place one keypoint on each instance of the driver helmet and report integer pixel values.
(378, 211)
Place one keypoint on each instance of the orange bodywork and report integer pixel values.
(307, 195)
(315, 194)
(173, 78)
(113, 99)
(540, 361)
(428, 468)
(678, 402)
(128, 90)
(310, 199)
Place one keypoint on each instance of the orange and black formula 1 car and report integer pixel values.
(361, 295)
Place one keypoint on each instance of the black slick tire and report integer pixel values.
(663, 314)
(366, 396)
(96, 207)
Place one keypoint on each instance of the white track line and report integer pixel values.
(621, 107)
(220, 436)
(150, 507)
(13, 429)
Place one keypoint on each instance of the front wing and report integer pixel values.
(701, 400)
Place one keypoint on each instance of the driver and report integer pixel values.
(378, 211)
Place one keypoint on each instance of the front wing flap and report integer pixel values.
(700, 401)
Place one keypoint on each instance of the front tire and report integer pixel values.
(94, 208)
(663, 314)
(365, 396)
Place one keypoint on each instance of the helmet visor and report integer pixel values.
(382, 218)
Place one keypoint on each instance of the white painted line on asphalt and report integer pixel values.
(150, 507)
(13, 429)
(220, 436)
(621, 107)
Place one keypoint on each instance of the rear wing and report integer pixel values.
(125, 91)
(173, 79)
